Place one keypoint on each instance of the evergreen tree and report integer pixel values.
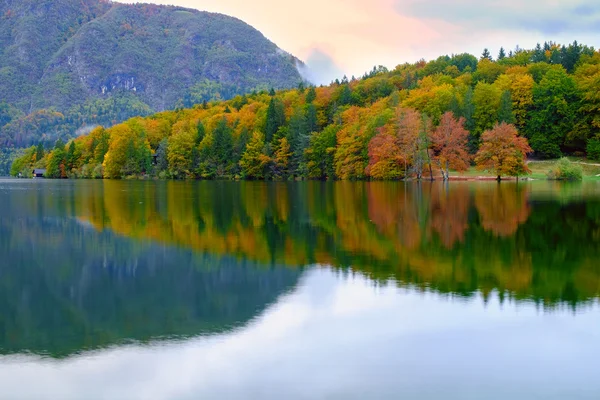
(311, 95)
(298, 140)
(240, 144)
(455, 106)
(39, 152)
(468, 112)
(486, 54)
(59, 145)
(161, 156)
(501, 54)
(538, 54)
(200, 133)
(311, 118)
(222, 147)
(345, 95)
(72, 156)
(131, 166)
(275, 119)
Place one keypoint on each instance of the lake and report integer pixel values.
(243, 290)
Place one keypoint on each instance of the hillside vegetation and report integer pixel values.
(418, 120)
(67, 65)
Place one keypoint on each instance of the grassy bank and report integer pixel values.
(540, 168)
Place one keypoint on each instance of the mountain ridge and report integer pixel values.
(104, 62)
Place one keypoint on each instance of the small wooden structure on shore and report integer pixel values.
(38, 173)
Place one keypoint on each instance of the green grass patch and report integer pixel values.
(540, 169)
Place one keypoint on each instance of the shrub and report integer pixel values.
(565, 170)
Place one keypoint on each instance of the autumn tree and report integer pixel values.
(281, 158)
(422, 158)
(522, 96)
(503, 209)
(254, 160)
(503, 152)
(128, 153)
(450, 143)
(101, 146)
(56, 167)
(180, 151)
(409, 125)
(385, 161)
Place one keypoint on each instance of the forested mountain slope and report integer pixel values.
(69, 64)
(386, 125)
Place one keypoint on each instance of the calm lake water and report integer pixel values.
(228, 290)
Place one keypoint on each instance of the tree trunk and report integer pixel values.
(447, 173)
(430, 169)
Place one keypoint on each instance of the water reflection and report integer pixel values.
(90, 264)
(528, 240)
(338, 337)
(66, 288)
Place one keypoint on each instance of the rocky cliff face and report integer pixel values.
(84, 58)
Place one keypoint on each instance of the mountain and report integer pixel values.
(67, 64)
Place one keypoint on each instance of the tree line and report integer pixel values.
(418, 121)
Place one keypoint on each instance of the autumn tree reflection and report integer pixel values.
(522, 240)
(502, 208)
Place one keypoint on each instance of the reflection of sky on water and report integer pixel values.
(341, 337)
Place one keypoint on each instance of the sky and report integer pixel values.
(343, 338)
(337, 37)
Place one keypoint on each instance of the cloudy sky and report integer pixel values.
(337, 37)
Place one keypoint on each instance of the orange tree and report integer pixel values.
(450, 141)
(503, 151)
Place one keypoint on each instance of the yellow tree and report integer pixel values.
(487, 102)
(503, 152)
(281, 157)
(254, 160)
(522, 96)
(116, 157)
(180, 149)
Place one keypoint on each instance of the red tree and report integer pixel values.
(449, 142)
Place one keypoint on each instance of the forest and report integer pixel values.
(419, 121)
